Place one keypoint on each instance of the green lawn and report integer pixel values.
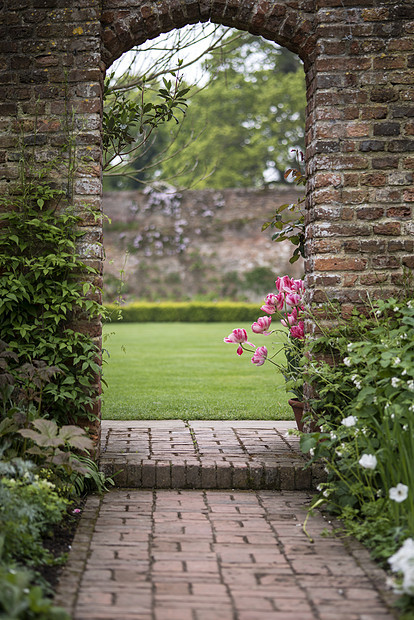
(186, 371)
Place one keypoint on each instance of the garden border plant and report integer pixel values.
(361, 370)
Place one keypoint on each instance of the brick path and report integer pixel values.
(208, 554)
(206, 455)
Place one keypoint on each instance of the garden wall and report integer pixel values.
(359, 64)
(206, 244)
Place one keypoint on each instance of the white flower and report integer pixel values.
(410, 385)
(326, 493)
(333, 435)
(408, 581)
(411, 408)
(396, 309)
(396, 361)
(402, 559)
(349, 347)
(368, 461)
(410, 304)
(347, 361)
(399, 493)
(404, 372)
(395, 381)
(351, 420)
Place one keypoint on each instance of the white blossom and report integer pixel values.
(410, 385)
(347, 361)
(395, 382)
(399, 493)
(351, 420)
(368, 461)
(396, 361)
(402, 557)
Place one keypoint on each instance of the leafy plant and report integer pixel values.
(124, 116)
(293, 227)
(362, 373)
(28, 506)
(21, 600)
(41, 296)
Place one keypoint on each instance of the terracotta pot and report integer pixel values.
(298, 407)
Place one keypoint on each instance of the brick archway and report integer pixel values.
(288, 23)
(359, 63)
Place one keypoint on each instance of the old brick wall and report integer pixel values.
(359, 64)
(195, 242)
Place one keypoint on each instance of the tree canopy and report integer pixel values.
(239, 127)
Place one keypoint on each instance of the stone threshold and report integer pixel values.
(199, 454)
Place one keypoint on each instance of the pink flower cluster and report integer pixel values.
(289, 302)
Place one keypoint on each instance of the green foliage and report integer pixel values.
(21, 600)
(239, 127)
(291, 228)
(186, 312)
(41, 295)
(29, 505)
(364, 406)
(129, 119)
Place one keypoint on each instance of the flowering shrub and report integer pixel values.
(365, 405)
(287, 306)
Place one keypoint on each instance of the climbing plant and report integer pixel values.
(41, 292)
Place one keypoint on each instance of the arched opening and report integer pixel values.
(140, 39)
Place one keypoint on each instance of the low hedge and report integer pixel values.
(184, 312)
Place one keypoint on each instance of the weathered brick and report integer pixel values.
(388, 228)
(340, 264)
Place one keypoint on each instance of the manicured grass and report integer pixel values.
(186, 371)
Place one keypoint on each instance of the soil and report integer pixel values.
(58, 541)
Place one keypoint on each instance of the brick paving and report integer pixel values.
(215, 555)
(248, 454)
(210, 554)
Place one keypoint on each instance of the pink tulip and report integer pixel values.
(298, 331)
(262, 325)
(292, 318)
(298, 286)
(284, 284)
(293, 299)
(238, 336)
(273, 303)
(259, 356)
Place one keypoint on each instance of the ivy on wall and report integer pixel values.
(41, 293)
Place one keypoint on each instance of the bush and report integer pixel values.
(29, 506)
(21, 600)
(184, 312)
(364, 405)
